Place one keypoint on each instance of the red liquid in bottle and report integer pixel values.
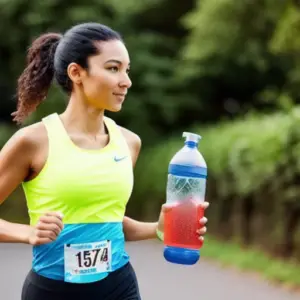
(181, 222)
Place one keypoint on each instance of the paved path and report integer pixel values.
(158, 279)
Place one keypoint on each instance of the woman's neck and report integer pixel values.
(83, 118)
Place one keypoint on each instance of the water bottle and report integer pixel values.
(186, 187)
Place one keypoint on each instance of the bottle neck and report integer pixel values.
(191, 144)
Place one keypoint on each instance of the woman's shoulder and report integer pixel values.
(134, 142)
(26, 141)
(131, 137)
(31, 135)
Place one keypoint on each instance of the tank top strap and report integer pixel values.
(57, 138)
(116, 134)
(54, 126)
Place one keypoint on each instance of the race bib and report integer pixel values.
(84, 262)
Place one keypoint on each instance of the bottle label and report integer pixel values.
(180, 188)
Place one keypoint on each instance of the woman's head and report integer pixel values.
(89, 59)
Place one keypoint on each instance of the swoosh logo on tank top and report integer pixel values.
(117, 159)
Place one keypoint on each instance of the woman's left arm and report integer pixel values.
(135, 230)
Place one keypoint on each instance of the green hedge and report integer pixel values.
(253, 180)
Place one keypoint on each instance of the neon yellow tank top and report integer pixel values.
(87, 186)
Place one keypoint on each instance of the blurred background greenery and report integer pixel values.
(227, 69)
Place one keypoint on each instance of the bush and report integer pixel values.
(253, 175)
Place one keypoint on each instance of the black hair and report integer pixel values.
(49, 57)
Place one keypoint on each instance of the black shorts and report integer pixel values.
(119, 285)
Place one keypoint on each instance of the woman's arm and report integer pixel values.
(137, 231)
(15, 165)
(14, 233)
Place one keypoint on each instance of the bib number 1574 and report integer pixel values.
(89, 258)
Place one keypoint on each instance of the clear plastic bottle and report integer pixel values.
(185, 191)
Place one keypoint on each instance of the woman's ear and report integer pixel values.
(76, 73)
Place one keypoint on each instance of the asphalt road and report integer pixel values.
(158, 279)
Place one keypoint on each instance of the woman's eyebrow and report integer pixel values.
(115, 61)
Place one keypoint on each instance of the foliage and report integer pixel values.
(228, 57)
(192, 61)
(152, 106)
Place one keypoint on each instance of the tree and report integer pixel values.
(226, 59)
(151, 109)
(285, 43)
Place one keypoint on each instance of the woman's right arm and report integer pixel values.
(15, 165)
(14, 168)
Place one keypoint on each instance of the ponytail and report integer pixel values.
(35, 81)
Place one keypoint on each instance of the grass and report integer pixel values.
(273, 269)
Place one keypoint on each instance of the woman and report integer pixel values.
(76, 170)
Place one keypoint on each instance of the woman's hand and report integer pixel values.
(47, 229)
(202, 222)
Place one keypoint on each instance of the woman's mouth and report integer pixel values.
(120, 96)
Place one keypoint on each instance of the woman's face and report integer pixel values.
(106, 82)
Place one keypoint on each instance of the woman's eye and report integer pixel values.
(114, 69)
